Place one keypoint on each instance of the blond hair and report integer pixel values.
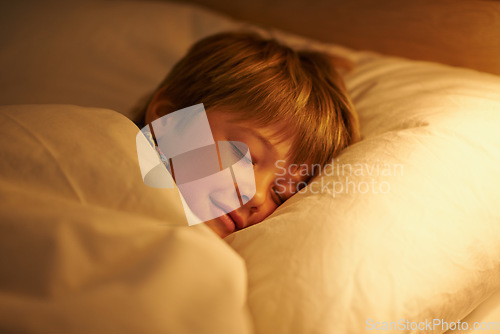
(297, 92)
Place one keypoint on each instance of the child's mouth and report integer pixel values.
(228, 222)
(226, 219)
(229, 218)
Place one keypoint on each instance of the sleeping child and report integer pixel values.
(289, 107)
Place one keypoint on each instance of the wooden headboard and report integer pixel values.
(457, 32)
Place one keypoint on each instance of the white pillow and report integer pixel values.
(107, 54)
(413, 235)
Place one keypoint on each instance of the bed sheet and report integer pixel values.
(486, 315)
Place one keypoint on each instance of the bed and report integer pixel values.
(401, 231)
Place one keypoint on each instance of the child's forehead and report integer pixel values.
(272, 129)
(280, 133)
(271, 133)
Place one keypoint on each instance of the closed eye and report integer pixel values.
(278, 195)
(239, 155)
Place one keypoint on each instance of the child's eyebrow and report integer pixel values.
(262, 139)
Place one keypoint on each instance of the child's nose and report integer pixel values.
(261, 199)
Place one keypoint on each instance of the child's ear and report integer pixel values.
(158, 107)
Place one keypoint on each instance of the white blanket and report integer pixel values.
(86, 247)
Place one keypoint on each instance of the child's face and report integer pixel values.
(269, 161)
(273, 182)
